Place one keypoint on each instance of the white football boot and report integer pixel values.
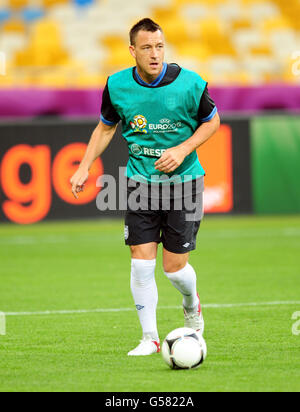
(193, 318)
(147, 347)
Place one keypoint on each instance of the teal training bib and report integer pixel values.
(156, 119)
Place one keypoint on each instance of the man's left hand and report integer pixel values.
(171, 159)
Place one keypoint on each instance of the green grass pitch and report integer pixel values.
(253, 261)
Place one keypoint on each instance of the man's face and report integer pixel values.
(149, 52)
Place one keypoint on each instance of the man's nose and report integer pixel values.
(154, 53)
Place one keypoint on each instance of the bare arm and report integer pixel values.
(174, 157)
(100, 139)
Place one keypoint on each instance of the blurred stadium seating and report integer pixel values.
(77, 43)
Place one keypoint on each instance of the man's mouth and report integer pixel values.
(154, 65)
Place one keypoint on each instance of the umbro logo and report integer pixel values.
(139, 307)
(186, 245)
(126, 232)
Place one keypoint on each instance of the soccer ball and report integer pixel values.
(184, 348)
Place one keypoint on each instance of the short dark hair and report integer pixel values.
(146, 25)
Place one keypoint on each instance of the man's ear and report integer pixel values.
(132, 51)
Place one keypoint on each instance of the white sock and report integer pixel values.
(145, 295)
(185, 280)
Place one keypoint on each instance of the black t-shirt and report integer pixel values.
(207, 107)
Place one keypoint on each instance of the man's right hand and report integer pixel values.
(78, 181)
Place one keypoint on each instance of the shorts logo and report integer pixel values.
(139, 307)
(139, 124)
(186, 245)
(126, 232)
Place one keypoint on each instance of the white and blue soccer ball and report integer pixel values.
(184, 348)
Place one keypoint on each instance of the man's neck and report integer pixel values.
(148, 78)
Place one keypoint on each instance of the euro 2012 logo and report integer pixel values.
(139, 124)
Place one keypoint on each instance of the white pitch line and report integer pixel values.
(51, 239)
(110, 310)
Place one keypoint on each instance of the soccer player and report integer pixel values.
(166, 114)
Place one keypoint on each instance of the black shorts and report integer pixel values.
(174, 223)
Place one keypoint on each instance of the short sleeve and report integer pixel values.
(207, 108)
(109, 115)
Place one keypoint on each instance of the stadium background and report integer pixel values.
(55, 56)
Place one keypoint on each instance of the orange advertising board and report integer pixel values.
(216, 158)
(31, 202)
